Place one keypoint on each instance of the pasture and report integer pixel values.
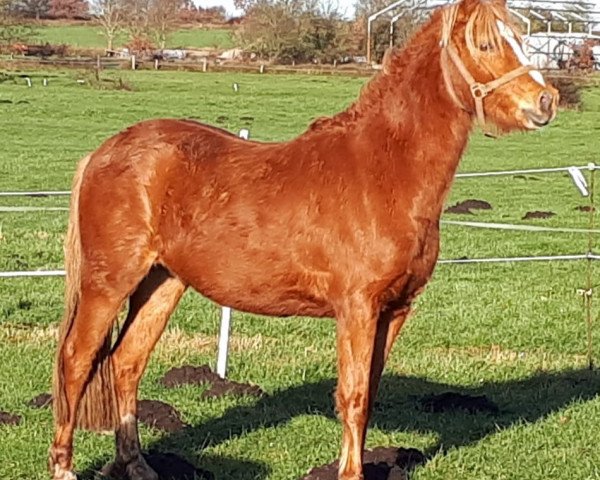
(512, 332)
(90, 36)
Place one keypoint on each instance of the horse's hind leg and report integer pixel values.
(150, 307)
(93, 321)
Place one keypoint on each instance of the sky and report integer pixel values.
(347, 6)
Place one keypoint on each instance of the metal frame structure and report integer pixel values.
(566, 23)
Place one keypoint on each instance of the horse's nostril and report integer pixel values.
(545, 101)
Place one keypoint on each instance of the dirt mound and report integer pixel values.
(43, 400)
(154, 413)
(190, 375)
(9, 419)
(466, 206)
(537, 214)
(169, 466)
(524, 177)
(160, 415)
(449, 401)
(381, 463)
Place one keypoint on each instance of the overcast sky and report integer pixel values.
(345, 5)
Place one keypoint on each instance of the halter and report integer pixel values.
(478, 90)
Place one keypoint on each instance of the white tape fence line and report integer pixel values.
(33, 209)
(517, 227)
(243, 134)
(533, 258)
(36, 194)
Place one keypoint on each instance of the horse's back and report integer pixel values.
(216, 210)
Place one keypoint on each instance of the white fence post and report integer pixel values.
(225, 329)
(223, 347)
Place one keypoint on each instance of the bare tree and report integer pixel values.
(163, 17)
(294, 30)
(109, 15)
(31, 8)
(137, 13)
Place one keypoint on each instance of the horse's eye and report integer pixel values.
(485, 47)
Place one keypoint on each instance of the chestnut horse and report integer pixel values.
(342, 221)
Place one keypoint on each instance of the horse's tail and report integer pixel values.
(98, 406)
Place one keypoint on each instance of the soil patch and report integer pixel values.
(9, 419)
(190, 375)
(585, 208)
(160, 415)
(153, 413)
(169, 466)
(523, 177)
(381, 463)
(43, 400)
(449, 401)
(467, 206)
(537, 214)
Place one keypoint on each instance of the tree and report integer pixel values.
(293, 30)
(31, 8)
(163, 16)
(137, 19)
(109, 15)
(69, 8)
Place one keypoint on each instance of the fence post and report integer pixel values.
(133, 62)
(204, 64)
(223, 346)
(98, 67)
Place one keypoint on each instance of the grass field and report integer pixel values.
(515, 332)
(90, 36)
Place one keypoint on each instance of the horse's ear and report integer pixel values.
(469, 5)
(388, 60)
(465, 7)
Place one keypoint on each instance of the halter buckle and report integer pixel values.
(478, 90)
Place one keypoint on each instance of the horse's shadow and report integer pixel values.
(398, 408)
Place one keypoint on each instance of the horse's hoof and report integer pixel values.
(139, 470)
(62, 474)
(114, 470)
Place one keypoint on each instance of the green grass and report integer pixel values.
(515, 333)
(90, 36)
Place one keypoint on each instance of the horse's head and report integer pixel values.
(486, 70)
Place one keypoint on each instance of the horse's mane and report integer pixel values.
(400, 65)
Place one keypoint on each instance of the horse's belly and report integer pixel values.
(260, 282)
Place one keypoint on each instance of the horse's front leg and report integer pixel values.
(388, 327)
(356, 331)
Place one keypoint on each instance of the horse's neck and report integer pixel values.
(410, 119)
